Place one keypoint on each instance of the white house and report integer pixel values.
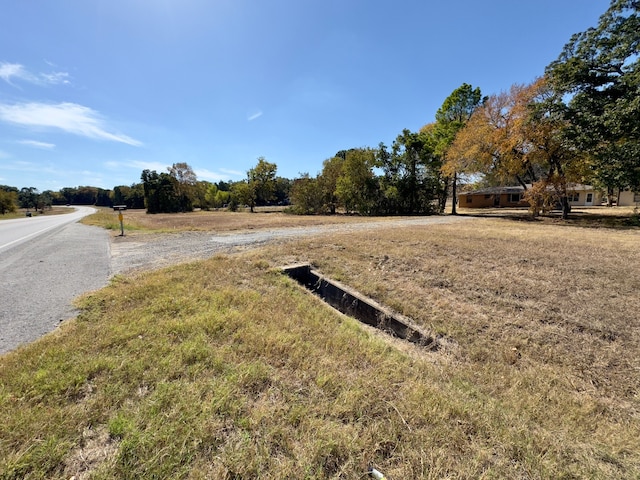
(583, 195)
(628, 198)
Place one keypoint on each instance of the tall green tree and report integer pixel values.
(210, 196)
(131, 196)
(598, 72)
(200, 189)
(389, 200)
(45, 200)
(262, 183)
(356, 187)
(410, 179)
(216, 198)
(306, 195)
(454, 113)
(28, 197)
(8, 199)
(282, 190)
(241, 193)
(328, 181)
(185, 185)
(160, 193)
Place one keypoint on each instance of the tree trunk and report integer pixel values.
(566, 207)
(610, 197)
(454, 194)
(442, 195)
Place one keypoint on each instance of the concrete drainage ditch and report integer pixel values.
(358, 306)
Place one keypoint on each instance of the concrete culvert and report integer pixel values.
(358, 306)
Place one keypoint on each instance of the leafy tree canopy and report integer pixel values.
(598, 71)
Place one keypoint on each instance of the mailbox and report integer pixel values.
(119, 207)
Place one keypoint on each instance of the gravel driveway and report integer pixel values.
(150, 251)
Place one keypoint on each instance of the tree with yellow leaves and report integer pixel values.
(518, 135)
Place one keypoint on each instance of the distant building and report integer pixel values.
(512, 196)
(493, 197)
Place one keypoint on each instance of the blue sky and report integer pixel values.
(94, 91)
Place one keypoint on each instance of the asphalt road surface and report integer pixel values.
(46, 262)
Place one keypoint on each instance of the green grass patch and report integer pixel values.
(22, 212)
(107, 218)
(17, 214)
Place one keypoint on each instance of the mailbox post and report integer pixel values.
(119, 209)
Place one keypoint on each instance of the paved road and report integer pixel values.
(44, 265)
(19, 230)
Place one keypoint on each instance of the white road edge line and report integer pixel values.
(28, 236)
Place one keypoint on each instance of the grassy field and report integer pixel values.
(227, 369)
(22, 212)
(138, 221)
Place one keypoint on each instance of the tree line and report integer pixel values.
(578, 123)
(179, 190)
(405, 179)
(12, 198)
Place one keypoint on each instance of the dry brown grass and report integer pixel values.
(545, 317)
(227, 369)
(220, 221)
(561, 296)
(589, 217)
(138, 221)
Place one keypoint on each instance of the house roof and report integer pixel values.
(574, 187)
(496, 190)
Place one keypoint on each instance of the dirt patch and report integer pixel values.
(96, 450)
(155, 250)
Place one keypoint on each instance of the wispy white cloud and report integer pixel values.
(141, 164)
(37, 144)
(15, 71)
(204, 174)
(201, 173)
(24, 166)
(234, 173)
(56, 78)
(68, 117)
(255, 115)
(8, 71)
(135, 165)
